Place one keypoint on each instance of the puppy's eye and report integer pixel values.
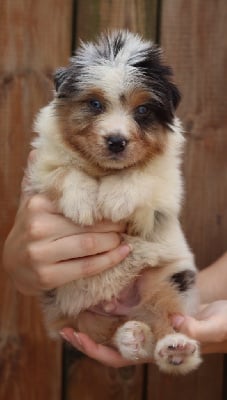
(96, 105)
(143, 110)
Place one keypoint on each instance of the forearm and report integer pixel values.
(212, 281)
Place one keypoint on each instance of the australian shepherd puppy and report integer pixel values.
(109, 147)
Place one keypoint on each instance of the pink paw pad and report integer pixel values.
(134, 340)
(177, 353)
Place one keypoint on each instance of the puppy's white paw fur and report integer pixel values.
(79, 199)
(79, 209)
(176, 353)
(134, 340)
(117, 210)
(116, 200)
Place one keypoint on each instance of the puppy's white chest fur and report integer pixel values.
(121, 197)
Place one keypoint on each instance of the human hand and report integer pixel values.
(105, 355)
(208, 327)
(45, 250)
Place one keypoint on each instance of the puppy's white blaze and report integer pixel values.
(115, 124)
(113, 80)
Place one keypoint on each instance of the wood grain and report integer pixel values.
(138, 16)
(194, 40)
(87, 379)
(35, 37)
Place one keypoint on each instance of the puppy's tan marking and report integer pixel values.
(138, 97)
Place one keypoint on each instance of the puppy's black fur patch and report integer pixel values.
(49, 297)
(183, 280)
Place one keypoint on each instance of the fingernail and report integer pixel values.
(125, 249)
(177, 320)
(77, 340)
(64, 336)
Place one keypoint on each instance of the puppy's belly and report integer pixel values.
(128, 298)
(151, 286)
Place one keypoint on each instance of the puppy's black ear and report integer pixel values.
(59, 77)
(175, 95)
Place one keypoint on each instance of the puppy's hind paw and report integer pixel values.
(176, 353)
(134, 340)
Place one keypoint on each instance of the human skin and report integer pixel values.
(45, 250)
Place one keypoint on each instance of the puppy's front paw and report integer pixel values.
(176, 353)
(81, 207)
(116, 206)
(134, 340)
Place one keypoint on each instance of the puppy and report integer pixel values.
(109, 147)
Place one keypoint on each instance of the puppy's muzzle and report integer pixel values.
(116, 143)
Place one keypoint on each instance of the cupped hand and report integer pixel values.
(105, 355)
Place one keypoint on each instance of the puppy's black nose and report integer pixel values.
(116, 143)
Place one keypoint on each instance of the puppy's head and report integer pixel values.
(115, 102)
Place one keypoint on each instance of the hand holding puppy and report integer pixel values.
(46, 250)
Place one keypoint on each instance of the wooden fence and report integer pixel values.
(35, 38)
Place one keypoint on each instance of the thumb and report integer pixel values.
(203, 331)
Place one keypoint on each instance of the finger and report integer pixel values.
(57, 226)
(46, 221)
(34, 205)
(50, 227)
(40, 203)
(59, 274)
(204, 331)
(103, 354)
(31, 208)
(32, 156)
(77, 246)
(106, 226)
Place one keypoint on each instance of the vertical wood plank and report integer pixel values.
(107, 383)
(194, 40)
(138, 16)
(35, 37)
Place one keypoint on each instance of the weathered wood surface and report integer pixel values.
(193, 36)
(87, 379)
(139, 16)
(35, 37)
